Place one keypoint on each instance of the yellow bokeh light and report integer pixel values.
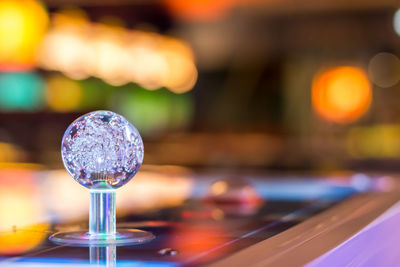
(9, 153)
(71, 16)
(23, 239)
(22, 26)
(63, 94)
(342, 94)
(17, 208)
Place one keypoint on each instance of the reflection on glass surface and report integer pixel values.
(151, 190)
(30, 197)
(233, 196)
(198, 239)
(103, 256)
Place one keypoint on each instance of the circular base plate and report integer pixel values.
(124, 237)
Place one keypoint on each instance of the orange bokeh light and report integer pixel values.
(342, 94)
(199, 9)
(23, 239)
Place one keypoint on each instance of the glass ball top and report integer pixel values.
(102, 150)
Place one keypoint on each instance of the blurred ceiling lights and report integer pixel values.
(80, 49)
(342, 94)
(384, 69)
(22, 26)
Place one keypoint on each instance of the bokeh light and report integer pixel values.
(23, 239)
(181, 111)
(342, 94)
(396, 22)
(22, 26)
(199, 9)
(109, 59)
(233, 196)
(10, 153)
(118, 56)
(152, 190)
(148, 110)
(21, 212)
(71, 16)
(19, 205)
(63, 94)
(198, 237)
(153, 112)
(182, 73)
(377, 141)
(64, 50)
(384, 69)
(21, 91)
(149, 67)
(95, 93)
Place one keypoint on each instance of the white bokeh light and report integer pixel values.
(396, 22)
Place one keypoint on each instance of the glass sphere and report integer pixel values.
(102, 150)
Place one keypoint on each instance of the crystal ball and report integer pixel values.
(102, 150)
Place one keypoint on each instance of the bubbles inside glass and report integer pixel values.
(102, 150)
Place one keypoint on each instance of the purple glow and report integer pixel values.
(375, 245)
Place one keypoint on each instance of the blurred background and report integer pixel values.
(209, 83)
(273, 85)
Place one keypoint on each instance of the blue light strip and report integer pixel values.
(50, 262)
